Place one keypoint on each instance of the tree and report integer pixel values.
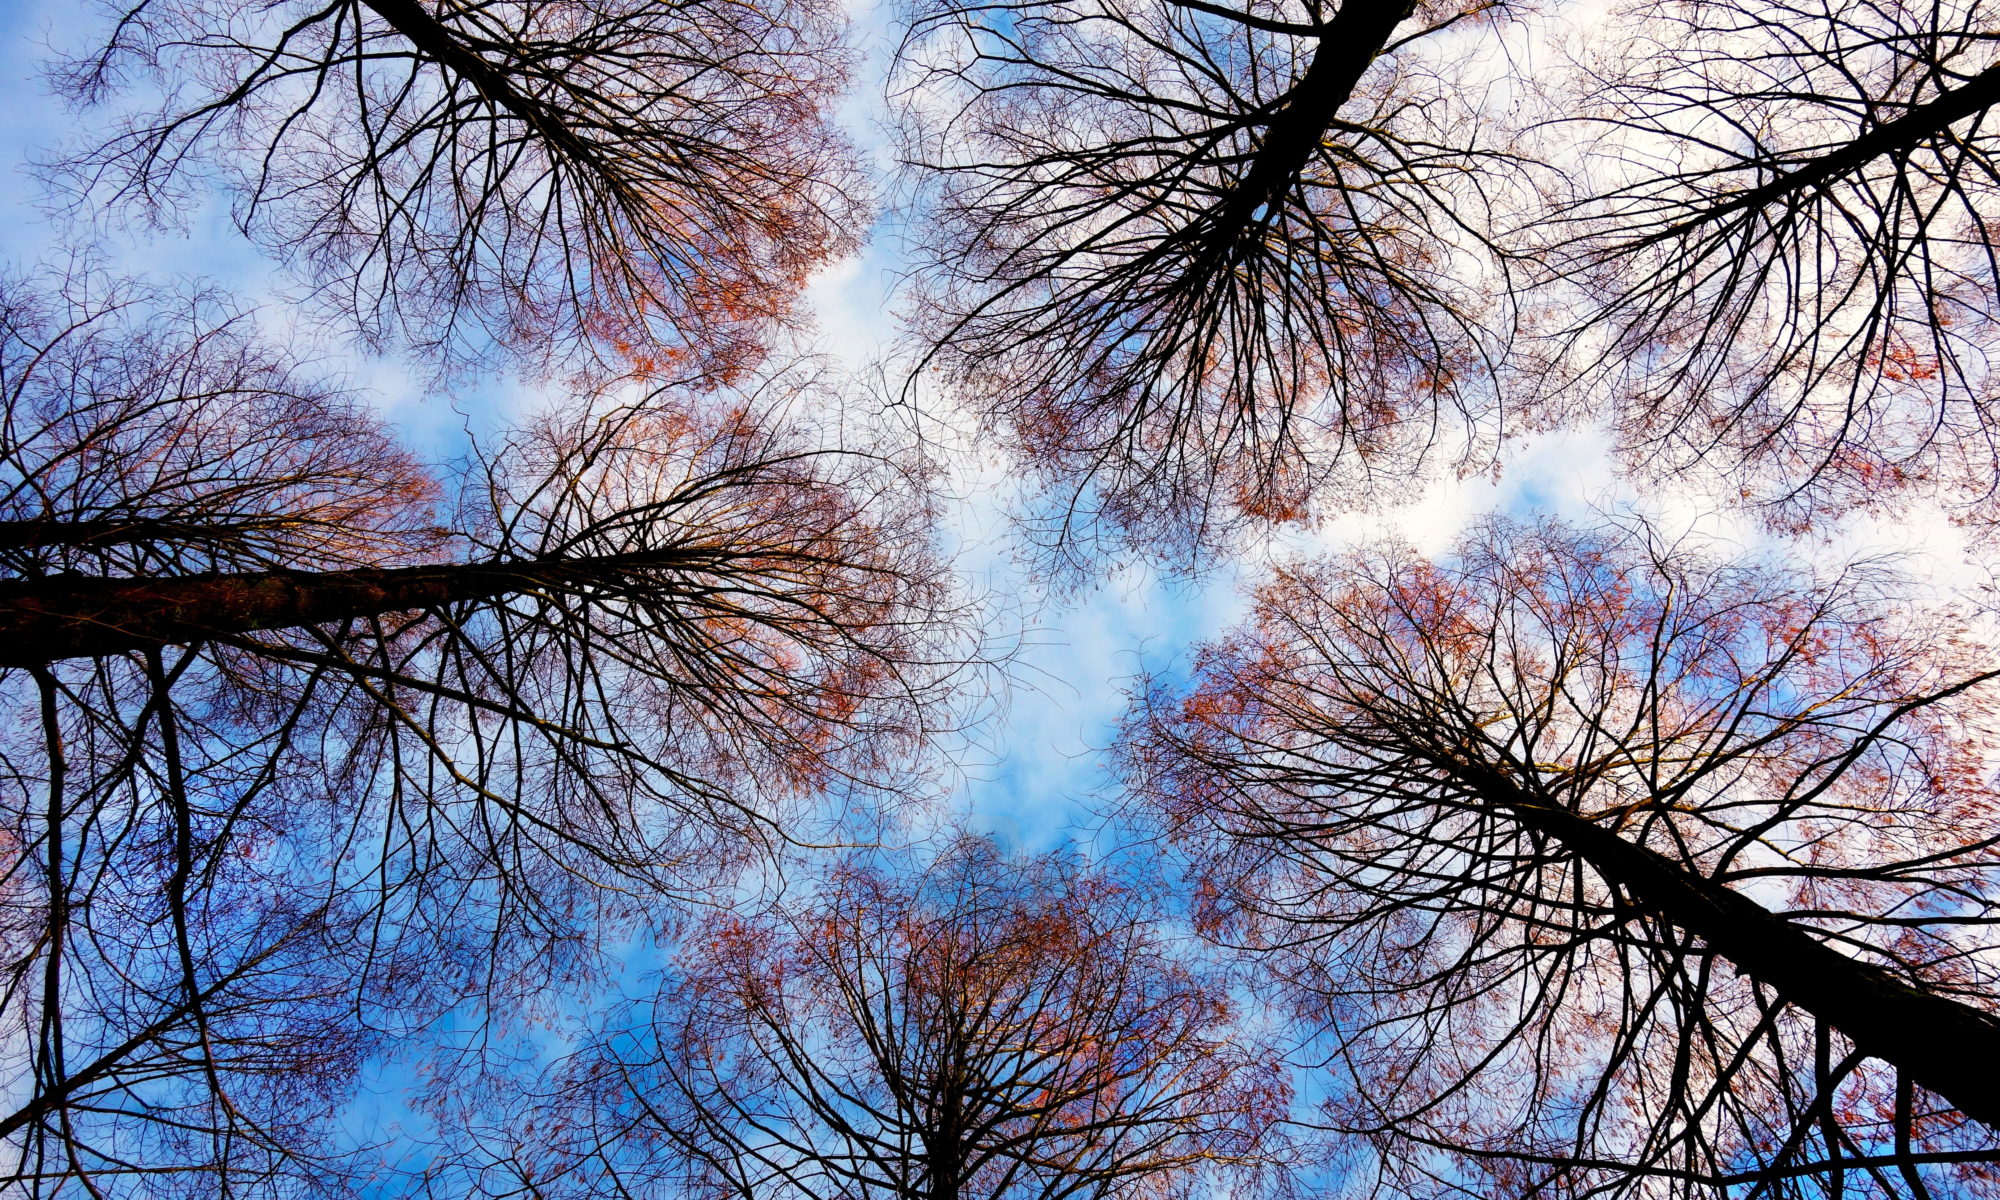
(982, 1026)
(177, 1001)
(1194, 258)
(1635, 871)
(148, 433)
(704, 625)
(1587, 862)
(1786, 236)
(554, 176)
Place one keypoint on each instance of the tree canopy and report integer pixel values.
(618, 790)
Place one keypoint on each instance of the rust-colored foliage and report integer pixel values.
(1589, 864)
(1552, 836)
(559, 178)
(983, 1026)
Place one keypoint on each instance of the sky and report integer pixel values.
(1032, 773)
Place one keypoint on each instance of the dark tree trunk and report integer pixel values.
(1947, 1046)
(1349, 44)
(44, 620)
(448, 49)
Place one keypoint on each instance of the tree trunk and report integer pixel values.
(1947, 1046)
(445, 47)
(1349, 45)
(43, 620)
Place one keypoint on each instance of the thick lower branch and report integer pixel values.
(438, 42)
(1348, 45)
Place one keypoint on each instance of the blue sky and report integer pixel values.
(1032, 772)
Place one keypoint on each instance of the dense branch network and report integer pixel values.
(1571, 863)
(1785, 258)
(1602, 848)
(1192, 258)
(977, 1027)
(651, 638)
(564, 180)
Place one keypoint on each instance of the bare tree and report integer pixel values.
(708, 625)
(176, 1000)
(983, 1026)
(1636, 872)
(551, 176)
(1786, 253)
(1194, 258)
(152, 434)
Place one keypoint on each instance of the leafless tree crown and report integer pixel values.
(313, 755)
(981, 1026)
(1784, 244)
(1194, 258)
(1570, 863)
(555, 178)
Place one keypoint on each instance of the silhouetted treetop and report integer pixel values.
(312, 755)
(979, 1026)
(1203, 264)
(561, 179)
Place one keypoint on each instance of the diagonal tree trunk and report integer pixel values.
(448, 49)
(1947, 1046)
(451, 50)
(1348, 46)
(1922, 121)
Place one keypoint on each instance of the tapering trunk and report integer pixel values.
(447, 48)
(1349, 45)
(1947, 1046)
(944, 1140)
(44, 620)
